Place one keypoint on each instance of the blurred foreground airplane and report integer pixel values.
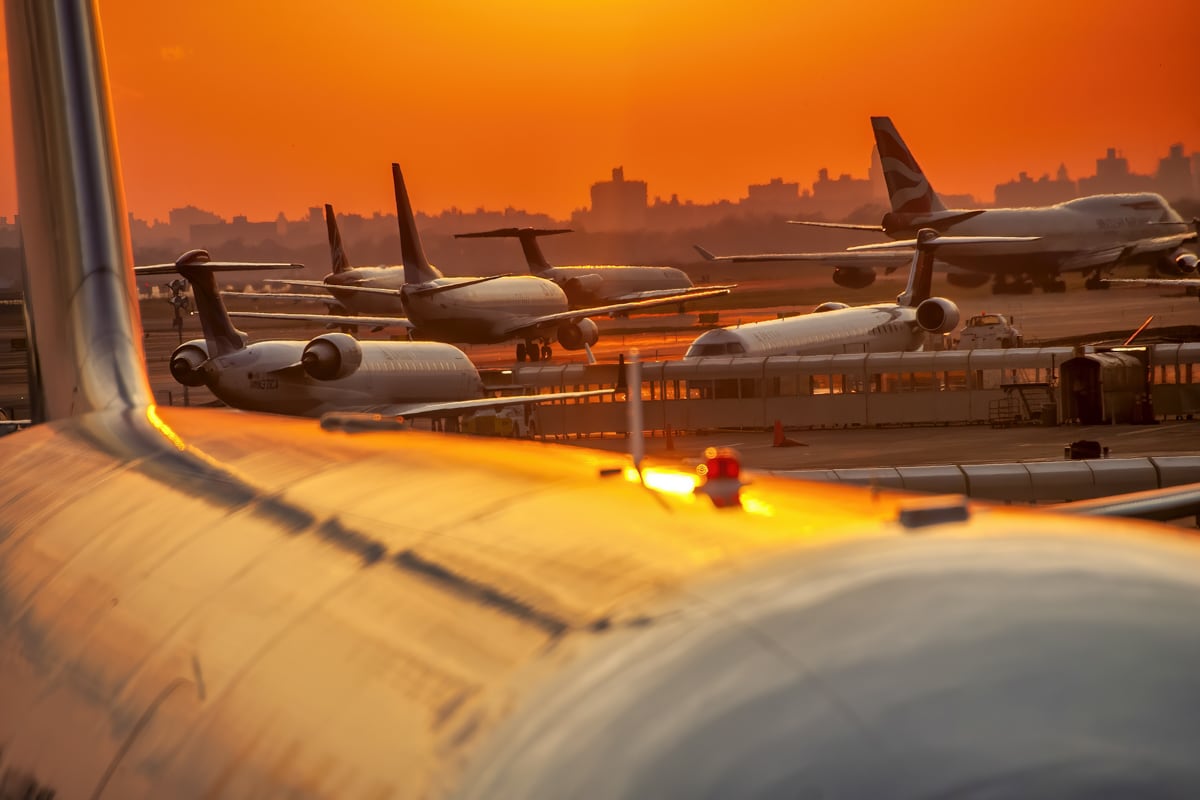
(839, 328)
(214, 603)
(593, 285)
(331, 373)
(487, 310)
(1087, 235)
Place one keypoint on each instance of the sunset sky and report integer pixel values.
(260, 107)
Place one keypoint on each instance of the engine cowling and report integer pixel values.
(583, 285)
(186, 363)
(937, 315)
(574, 335)
(829, 306)
(1180, 262)
(853, 277)
(967, 280)
(331, 356)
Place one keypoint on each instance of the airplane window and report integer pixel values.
(736, 348)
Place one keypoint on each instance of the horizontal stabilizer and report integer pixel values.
(515, 233)
(845, 226)
(212, 266)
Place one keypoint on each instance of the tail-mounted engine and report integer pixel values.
(583, 285)
(854, 277)
(575, 335)
(937, 315)
(186, 362)
(331, 356)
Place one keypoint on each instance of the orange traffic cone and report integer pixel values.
(783, 441)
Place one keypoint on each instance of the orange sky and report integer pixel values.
(260, 107)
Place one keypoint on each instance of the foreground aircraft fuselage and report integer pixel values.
(884, 328)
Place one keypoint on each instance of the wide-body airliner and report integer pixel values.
(1087, 235)
(484, 310)
(215, 603)
(597, 284)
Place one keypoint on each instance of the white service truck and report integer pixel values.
(988, 331)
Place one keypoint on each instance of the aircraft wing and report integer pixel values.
(385, 416)
(840, 258)
(310, 298)
(375, 323)
(323, 285)
(676, 294)
(536, 323)
(1182, 282)
(845, 226)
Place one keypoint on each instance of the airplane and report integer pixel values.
(209, 602)
(1088, 234)
(485, 310)
(839, 328)
(333, 372)
(1190, 285)
(597, 284)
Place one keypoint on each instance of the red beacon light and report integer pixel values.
(721, 477)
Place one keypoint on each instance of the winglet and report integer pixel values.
(704, 253)
(417, 268)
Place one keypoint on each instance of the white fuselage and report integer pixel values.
(596, 285)
(882, 328)
(1067, 229)
(262, 377)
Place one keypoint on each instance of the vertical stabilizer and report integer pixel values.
(337, 251)
(920, 274)
(219, 334)
(417, 268)
(907, 186)
(80, 297)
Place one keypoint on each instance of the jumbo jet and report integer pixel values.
(331, 373)
(1087, 235)
(839, 328)
(486, 310)
(216, 603)
(592, 285)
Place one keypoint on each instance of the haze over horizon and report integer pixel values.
(260, 108)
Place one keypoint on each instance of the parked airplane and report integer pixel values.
(333, 372)
(1088, 235)
(592, 285)
(1190, 285)
(213, 603)
(486, 310)
(839, 328)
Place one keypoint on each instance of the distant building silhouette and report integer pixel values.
(239, 229)
(618, 205)
(836, 198)
(1113, 177)
(1174, 176)
(774, 198)
(1025, 191)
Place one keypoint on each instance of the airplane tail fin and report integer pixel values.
(908, 188)
(417, 268)
(337, 251)
(220, 335)
(529, 243)
(920, 274)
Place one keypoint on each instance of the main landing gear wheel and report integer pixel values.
(520, 352)
(546, 352)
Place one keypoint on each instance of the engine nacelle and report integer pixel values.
(331, 356)
(967, 280)
(937, 315)
(854, 277)
(583, 285)
(574, 335)
(830, 306)
(186, 363)
(1180, 262)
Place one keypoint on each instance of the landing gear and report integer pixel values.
(1051, 283)
(1019, 284)
(1095, 282)
(533, 352)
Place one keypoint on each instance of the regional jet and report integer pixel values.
(333, 372)
(839, 328)
(1087, 235)
(592, 285)
(214, 603)
(486, 310)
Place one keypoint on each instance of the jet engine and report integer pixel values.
(583, 285)
(574, 335)
(854, 277)
(830, 306)
(331, 356)
(937, 315)
(967, 280)
(186, 362)
(1180, 262)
